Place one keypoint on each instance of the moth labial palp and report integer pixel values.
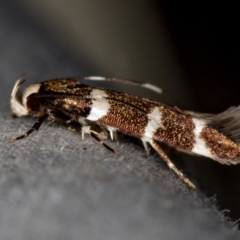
(94, 111)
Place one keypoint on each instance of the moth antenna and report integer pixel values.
(35, 127)
(125, 81)
(95, 136)
(228, 123)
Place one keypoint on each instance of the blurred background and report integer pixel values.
(190, 50)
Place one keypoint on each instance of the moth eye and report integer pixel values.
(33, 103)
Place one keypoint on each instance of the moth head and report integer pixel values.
(27, 103)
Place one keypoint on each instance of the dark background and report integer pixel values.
(206, 40)
(190, 50)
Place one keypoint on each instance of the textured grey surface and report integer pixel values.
(53, 185)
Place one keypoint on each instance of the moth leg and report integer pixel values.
(96, 137)
(35, 127)
(113, 133)
(63, 120)
(85, 130)
(115, 136)
(170, 164)
(97, 133)
(145, 145)
(100, 132)
(93, 130)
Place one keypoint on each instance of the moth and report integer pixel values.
(97, 111)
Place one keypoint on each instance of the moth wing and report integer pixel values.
(228, 123)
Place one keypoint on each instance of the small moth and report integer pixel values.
(97, 111)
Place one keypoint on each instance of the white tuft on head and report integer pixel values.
(19, 106)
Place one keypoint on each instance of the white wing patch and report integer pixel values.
(154, 122)
(200, 146)
(100, 106)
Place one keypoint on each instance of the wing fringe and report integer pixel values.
(228, 123)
